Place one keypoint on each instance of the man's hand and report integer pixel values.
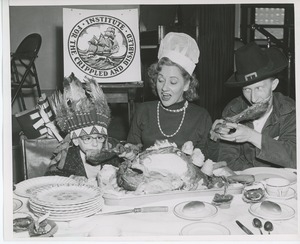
(242, 134)
(219, 128)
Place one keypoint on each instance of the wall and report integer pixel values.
(48, 22)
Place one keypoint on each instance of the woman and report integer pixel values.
(173, 117)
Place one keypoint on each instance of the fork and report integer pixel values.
(41, 219)
(226, 183)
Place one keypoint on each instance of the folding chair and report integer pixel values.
(36, 155)
(23, 66)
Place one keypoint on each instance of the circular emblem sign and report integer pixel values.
(101, 46)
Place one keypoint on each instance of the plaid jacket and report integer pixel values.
(278, 138)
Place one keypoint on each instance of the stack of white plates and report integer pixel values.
(66, 202)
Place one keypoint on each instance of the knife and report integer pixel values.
(247, 231)
(138, 210)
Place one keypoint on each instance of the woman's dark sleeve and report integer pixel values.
(135, 132)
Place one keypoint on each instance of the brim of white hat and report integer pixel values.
(179, 59)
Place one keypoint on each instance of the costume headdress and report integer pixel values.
(81, 111)
(254, 64)
(181, 49)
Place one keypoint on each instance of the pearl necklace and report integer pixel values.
(174, 111)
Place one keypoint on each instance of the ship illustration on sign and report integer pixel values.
(105, 51)
(102, 46)
(106, 44)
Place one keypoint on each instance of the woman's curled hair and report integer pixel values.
(190, 95)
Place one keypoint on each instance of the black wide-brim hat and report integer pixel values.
(254, 64)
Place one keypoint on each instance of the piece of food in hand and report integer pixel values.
(271, 207)
(22, 224)
(251, 113)
(219, 128)
(193, 207)
(96, 157)
(243, 179)
(198, 157)
(187, 147)
(208, 167)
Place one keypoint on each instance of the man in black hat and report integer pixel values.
(267, 140)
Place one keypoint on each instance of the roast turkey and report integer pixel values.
(160, 169)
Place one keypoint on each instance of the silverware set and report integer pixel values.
(268, 226)
(137, 210)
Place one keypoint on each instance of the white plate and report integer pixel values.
(69, 214)
(73, 207)
(27, 187)
(65, 195)
(204, 228)
(73, 216)
(287, 212)
(262, 173)
(17, 204)
(290, 194)
(40, 209)
(208, 211)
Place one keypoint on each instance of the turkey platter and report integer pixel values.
(159, 170)
(163, 168)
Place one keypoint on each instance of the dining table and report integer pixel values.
(169, 224)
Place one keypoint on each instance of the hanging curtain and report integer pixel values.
(213, 28)
(215, 25)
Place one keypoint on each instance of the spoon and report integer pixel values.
(268, 226)
(257, 224)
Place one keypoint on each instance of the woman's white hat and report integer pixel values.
(181, 49)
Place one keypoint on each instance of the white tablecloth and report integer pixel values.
(166, 223)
